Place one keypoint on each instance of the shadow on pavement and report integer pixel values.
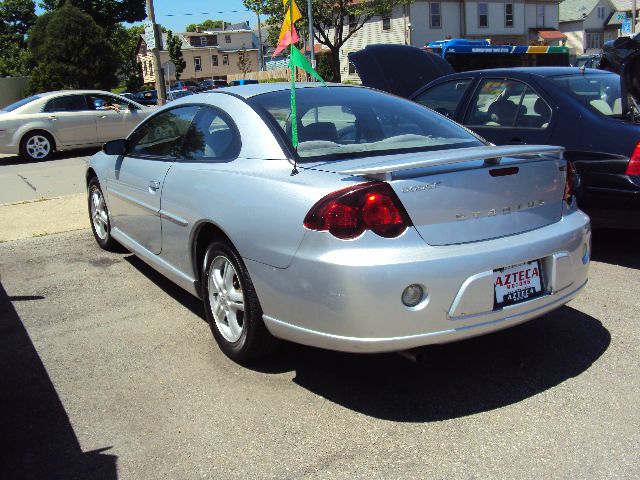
(617, 247)
(452, 380)
(17, 160)
(449, 381)
(37, 439)
(170, 288)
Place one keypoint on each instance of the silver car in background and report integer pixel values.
(37, 126)
(389, 227)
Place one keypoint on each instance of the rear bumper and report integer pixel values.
(373, 345)
(338, 296)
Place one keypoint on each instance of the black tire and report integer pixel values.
(101, 229)
(37, 145)
(254, 341)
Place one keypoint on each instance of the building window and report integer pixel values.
(435, 15)
(203, 41)
(386, 21)
(197, 63)
(227, 39)
(508, 15)
(214, 60)
(594, 40)
(353, 23)
(151, 69)
(352, 69)
(601, 12)
(540, 15)
(483, 15)
(225, 59)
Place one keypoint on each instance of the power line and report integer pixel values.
(201, 13)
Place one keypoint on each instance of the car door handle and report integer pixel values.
(52, 118)
(154, 185)
(102, 116)
(517, 141)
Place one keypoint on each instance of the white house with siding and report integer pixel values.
(589, 23)
(421, 22)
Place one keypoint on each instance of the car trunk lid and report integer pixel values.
(472, 194)
(384, 67)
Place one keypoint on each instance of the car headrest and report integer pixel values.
(541, 108)
(319, 131)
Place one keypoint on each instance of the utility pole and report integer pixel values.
(155, 51)
(311, 48)
(260, 59)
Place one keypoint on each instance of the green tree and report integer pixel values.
(106, 13)
(174, 46)
(208, 24)
(16, 18)
(70, 51)
(330, 21)
(244, 62)
(125, 42)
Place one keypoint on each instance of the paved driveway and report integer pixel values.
(109, 371)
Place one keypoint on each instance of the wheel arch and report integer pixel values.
(205, 233)
(89, 175)
(34, 129)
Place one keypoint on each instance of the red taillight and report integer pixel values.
(633, 167)
(568, 184)
(348, 213)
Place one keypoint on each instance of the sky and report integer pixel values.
(175, 15)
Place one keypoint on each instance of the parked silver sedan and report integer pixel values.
(37, 126)
(389, 227)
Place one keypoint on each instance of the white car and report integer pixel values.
(37, 126)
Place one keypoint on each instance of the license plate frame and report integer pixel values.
(517, 283)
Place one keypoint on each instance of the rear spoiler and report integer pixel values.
(490, 154)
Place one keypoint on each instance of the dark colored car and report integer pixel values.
(212, 84)
(186, 85)
(147, 97)
(579, 109)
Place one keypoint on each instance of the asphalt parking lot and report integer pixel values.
(110, 371)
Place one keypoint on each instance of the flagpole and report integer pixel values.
(294, 120)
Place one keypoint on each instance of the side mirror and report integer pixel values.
(115, 147)
(131, 107)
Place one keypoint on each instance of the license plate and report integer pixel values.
(517, 283)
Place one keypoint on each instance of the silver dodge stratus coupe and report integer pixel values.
(387, 228)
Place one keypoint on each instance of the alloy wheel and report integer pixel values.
(226, 298)
(99, 215)
(38, 147)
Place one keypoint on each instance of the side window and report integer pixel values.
(534, 112)
(106, 102)
(162, 135)
(212, 137)
(445, 97)
(496, 103)
(68, 103)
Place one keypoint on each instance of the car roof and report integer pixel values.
(75, 92)
(251, 90)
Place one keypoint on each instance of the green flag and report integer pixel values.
(297, 59)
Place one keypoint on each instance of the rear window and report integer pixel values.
(19, 103)
(342, 122)
(598, 91)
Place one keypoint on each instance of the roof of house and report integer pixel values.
(572, 10)
(616, 18)
(551, 35)
(622, 5)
